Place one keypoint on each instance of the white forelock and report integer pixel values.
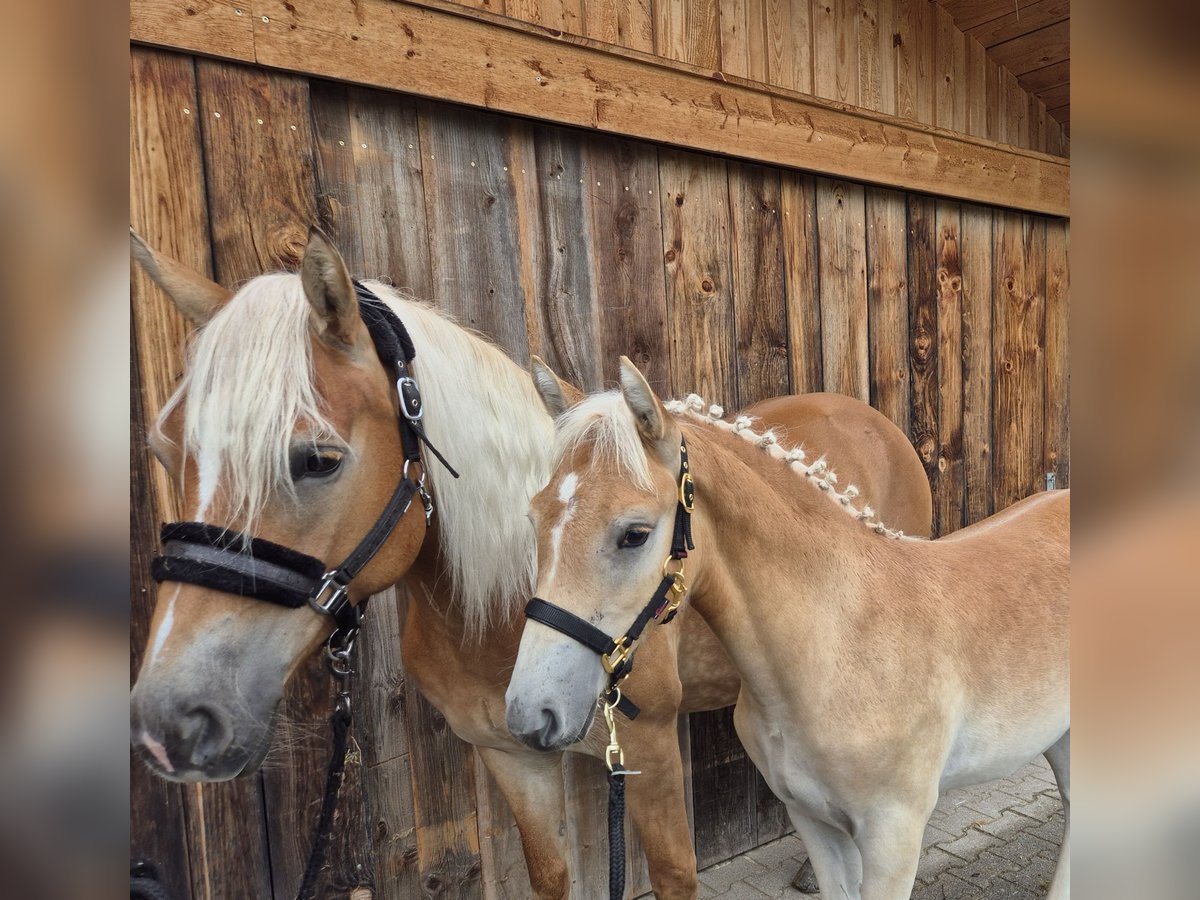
(607, 421)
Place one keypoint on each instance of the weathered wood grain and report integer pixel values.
(996, 107)
(562, 310)
(922, 328)
(627, 23)
(601, 86)
(842, 261)
(1035, 50)
(693, 191)
(905, 57)
(630, 292)
(948, 500)
(723, 789)
(789, 44)
(887, 302)
(1056, 429)
(950, 72)
(1021, 21)
(1016, 111)
(759, 291)
(976, 89)
(733, 18)
(886, 29)
(975, 251)
(835, 50)
(476, 222)
(799, 203)
(1018, 323)
(973, 13)
(199, 25)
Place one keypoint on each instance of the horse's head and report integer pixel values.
(285, 427)
(605, 524)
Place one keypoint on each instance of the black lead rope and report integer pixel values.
(617, 658)
(207, 555)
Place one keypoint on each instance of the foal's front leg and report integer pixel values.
(890, 844)
(532, 783)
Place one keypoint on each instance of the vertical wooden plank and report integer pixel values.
(997, 107)
(835, 50)
(670, 29)
(562, 15)
(922, 326)
(1018, 321)
(887, 302)
(799, 202)
(562, 310)
(760, 313)
(905, 58)
(976, 88)
(1017, 111)
(496, 6)
(886, 33)
(948, 502)
(627, 23)
(693, 191)
(1054, 137)
(735, 38)
(1057, 427)
(627, 259)
(505, 875)
(480, 272)
(841, 252)
(870, 57)
(1037, 123)
(723, 789)
(950, 68)
(756, 24)
(923, 33)
(789, 44)
(703, 35)
(975, 251)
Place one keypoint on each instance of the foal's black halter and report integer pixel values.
(210, 556)
(617, 655)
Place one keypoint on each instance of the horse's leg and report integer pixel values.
(656, 804)
(890, 843)
(834, 857)
(532, 784)
(1059, 757)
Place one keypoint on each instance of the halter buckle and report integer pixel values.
(687, 492)
(336, 600)
(411, 406)
(619, 655)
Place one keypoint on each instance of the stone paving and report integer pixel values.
(997, 841)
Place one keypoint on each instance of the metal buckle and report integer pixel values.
(411, 406)
(337, 599)
(687, 492)
(617, 658)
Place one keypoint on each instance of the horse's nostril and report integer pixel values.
(549, 729)
(204, 736)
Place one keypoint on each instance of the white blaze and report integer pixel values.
(164, 629)
(566, 494)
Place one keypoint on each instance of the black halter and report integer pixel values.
(213, 557)
(617, 655)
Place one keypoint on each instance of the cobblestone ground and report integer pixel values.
(997, 841)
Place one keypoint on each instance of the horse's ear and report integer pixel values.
(647, 411)
(330, 292)
(556, 394)
(193, 294)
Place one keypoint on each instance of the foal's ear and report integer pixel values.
(556, 394)
(330, 292)
(193, 294)
(647, 410)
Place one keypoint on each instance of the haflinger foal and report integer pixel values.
(876, 670)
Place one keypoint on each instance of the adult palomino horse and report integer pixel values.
(285, 426)
(876, 670)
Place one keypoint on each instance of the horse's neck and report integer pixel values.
(776, 558)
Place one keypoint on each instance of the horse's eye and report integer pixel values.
(634, 537)
(315, 464)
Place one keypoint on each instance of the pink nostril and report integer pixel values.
(158, 751)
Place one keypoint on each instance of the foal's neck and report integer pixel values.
(775, 557)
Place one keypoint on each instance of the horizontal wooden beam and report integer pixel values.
(451, 53)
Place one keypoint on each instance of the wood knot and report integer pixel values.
(926, 447)
(1008, 365)
(1009, 284)
(707, 286)
(291, 246)
(679, 199)
(669, 256)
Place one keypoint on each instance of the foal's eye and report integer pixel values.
(315, 464)
(634, 537)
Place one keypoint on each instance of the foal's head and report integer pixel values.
(604, 525)
(284, 427)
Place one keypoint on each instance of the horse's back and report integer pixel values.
(863, 446)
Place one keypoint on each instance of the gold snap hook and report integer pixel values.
(687, 492)
(613, 661)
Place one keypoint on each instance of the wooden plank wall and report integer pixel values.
(901, 57)
(732, 280)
